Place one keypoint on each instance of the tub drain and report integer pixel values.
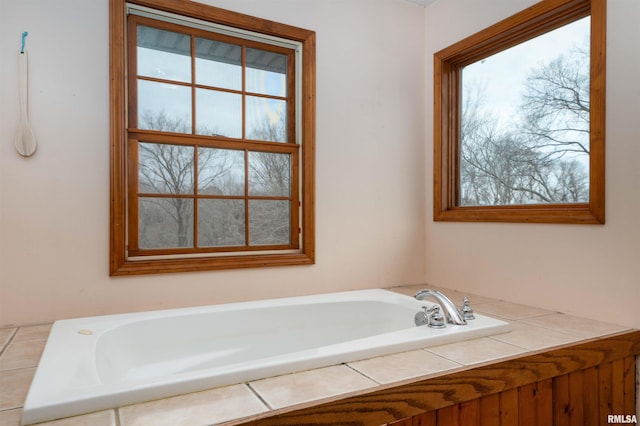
(85, 332)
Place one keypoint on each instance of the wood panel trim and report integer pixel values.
(561, 401)
(393, 403)
(118, 139)
(206, 12)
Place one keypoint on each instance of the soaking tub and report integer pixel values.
(95, 363)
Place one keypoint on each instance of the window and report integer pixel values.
(519, 118)
(212, 140)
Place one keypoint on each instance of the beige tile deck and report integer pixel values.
(5, 335)
(477, 351)
(10, 417)
(311, 385)
(533, 337)
(33, 332)
(199, 408)
(22, 354)
(402, 366)
(579, 327)
(511, 311)
(14, 385)
(100, 418)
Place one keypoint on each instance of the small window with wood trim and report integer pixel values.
(214, 168)
(519, 118)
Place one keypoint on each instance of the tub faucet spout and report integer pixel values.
(452, 313)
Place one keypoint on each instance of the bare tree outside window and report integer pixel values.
(167, 185)
(535, 151)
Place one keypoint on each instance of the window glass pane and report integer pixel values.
(269, 222)
(218, 64)
(220, 171)
(266, 119)
(525, 122)
(266, 72)
(269, 174)
(218, 113)
(221, 223)
(165, 107)
(164, 54)
(165, 169)
(165, 223)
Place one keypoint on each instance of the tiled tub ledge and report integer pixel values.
(369, 392)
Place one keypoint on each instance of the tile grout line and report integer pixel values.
(255, 392)
(45, 338)
(511, 344)
(22, 365)
(20, 368)
(9, 341)
(2, 352)
(21, 406)
(363, 374)
(458, 364)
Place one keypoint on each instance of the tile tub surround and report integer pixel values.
(533, 330)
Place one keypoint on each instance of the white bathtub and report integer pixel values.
(102, 362)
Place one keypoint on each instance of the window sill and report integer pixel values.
(140, 267)
(553, 213)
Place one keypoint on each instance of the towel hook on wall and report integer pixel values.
(24, 36)
(24, 140)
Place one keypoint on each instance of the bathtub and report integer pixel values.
(96, 363)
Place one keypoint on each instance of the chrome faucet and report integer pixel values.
(451, 312)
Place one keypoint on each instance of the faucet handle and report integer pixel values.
(421, 317)
(430, 316)
(436, 319)
(467, 311)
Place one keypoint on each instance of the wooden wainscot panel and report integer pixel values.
(574, 385)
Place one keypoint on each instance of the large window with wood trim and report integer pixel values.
(519, 118)
(212, 140)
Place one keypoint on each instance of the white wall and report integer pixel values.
(586, 270)
(373, 171)
(54, 211)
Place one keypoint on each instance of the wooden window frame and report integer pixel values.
(136, 135)
(448, 63)
(127, 259)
